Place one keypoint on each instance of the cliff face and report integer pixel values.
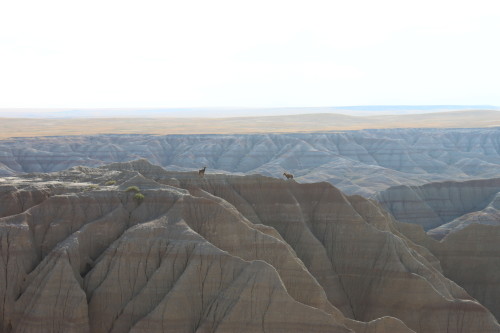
(490, 215)
(435, 204)
(465, 217)
(357, 162)
(468, 256)
(213, 254)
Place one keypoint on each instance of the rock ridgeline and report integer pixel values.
(468, 256)
(490, 215)
(465, 217)
(443, 206)
(357, 162)
(218, 253)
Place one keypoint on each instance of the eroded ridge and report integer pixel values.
(361, 162)
(213, 254)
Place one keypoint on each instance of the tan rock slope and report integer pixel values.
(213, 254)
(435, 204)
(468, 256)
(465, 217)
(490, 215)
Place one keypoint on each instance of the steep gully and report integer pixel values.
(214, 254)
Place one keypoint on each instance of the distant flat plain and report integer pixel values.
(31, 127)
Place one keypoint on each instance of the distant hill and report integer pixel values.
(318, 122)
(360, 110)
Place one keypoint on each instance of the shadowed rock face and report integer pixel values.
(468, 256)
(465, 217)
(357, 162)
(436, 204)
(213, 254)
(490, 215)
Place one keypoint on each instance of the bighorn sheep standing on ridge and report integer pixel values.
(288, 175)
(201, 172)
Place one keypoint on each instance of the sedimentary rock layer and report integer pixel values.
(468, 256)
(490, 215)
(465, 217)
(357, 162)
(217, 253)
(435, 204)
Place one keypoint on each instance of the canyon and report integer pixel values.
(458, 222)
(383, 230)
(81, 252)
(361, 162)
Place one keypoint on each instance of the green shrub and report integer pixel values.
(110, 182)
(139, 197)
(133, 189)
(92, 187)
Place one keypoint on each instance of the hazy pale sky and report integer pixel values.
(248, 53)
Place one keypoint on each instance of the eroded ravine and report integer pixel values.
(216, 254)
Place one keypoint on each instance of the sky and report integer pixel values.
(125, 54)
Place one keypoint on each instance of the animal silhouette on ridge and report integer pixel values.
(288, 175)
(201, 172)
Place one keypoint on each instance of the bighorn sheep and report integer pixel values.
(201, 172)
(288, 175)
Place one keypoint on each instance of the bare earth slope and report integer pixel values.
(357, 162)
(490, 215)
(444, 205)
(465, 217)
(214, 254)
(468, 256)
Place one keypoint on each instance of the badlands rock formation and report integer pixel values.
(469, 257)
(218, 253)
(357, 162)
(443, 205)
(488, 216)
(465, 217)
